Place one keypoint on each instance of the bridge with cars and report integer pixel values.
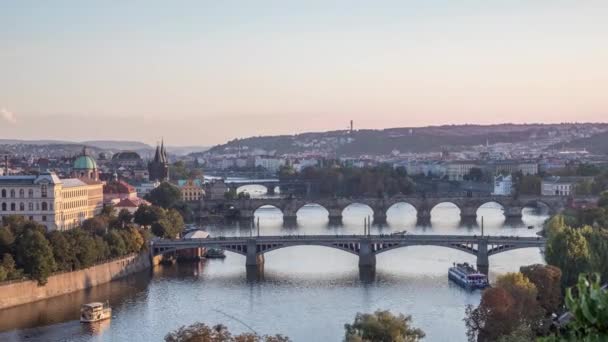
(366, 247)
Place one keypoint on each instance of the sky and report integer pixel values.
(204, 72)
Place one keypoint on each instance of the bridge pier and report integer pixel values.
(468, 214)
(246, 215)
(290, 220)
(423, 217)
(367, 257)
(513, 212)
(335, 216)
(270, 189)
(255, 273)
(483, 262)
(253, 258)
(379, 217)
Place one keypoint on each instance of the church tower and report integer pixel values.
(158, 168)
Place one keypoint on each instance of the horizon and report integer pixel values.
(202, 73)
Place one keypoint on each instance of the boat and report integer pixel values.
(95, 312)
(467, 276)
(215, 253)
(530, 227)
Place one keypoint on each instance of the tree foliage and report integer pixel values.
(200, 332)
(547, 280)
(166, 195)
(382, 326)
(35, 254)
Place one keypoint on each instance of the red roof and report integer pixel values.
(118, 187)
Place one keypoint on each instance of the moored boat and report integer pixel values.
(467, 276)
(95, 312)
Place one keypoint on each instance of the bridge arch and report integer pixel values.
(401, 212)
(349, 247)
(470, 249)
(356, 212)
(313, 210)
(450, 210)
(537, 204)
(254, 190)
(507, 248)
(493, 212)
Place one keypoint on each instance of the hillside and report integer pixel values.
(597, 144)
(409, 139)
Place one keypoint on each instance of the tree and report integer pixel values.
(6, 240)
(170, 226)
(547, 280)
(165, 195)
(124, 218)
(200, 332)
(62, 250)
(569, 251)
(146, 215)
(588, 306)
(134, 240)
(116, 244)
(9, 266)
(36, 255)
(493, 317)
(382, 326)
(83, 247)
(97, 225)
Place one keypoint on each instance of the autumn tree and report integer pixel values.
(200, 332)
(547, 280)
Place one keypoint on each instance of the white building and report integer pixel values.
(503, 185)
(55, 203)
(271, 164)
(560, 186)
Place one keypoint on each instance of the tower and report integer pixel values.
(158, 168)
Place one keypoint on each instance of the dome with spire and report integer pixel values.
(84, 162)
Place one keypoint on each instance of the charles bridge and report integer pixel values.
(244, 209)
(366, 247)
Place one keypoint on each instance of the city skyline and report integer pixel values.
(208, 72)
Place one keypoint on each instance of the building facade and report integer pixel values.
(55, 203)
(503, 185)
(191, 190)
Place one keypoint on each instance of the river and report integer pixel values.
(307, 293)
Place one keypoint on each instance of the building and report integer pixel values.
(216, 189)
(121, 195)
(272, 164)
(55, 203)
(126, 159)
(559, 186)
(503, 185)
(191, 189)
(457, 170)
(158, 168)
(145, 188)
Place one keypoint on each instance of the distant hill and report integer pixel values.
(597, 144)
(406, 139)
(117, 145)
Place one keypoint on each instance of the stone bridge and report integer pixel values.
(269, 183)
(366, 247)
(512, 207)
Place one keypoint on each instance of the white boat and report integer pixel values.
(467, 276)
(95, 312)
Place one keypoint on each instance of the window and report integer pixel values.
(30, 193)
(12, 206)
(31, 218)
(12, 193)
(44, 206)
(21, 206)
(30, 206)
(43, 191)
(43, 218)
(21, 193)
(3, 193)
(51, 206)
(3, 206)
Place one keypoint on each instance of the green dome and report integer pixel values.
(85, 163)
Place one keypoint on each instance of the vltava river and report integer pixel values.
(307, 293)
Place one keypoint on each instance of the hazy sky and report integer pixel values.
(203, 72)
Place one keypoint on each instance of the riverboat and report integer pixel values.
(467, 276)
(95, 312)
(215, 253)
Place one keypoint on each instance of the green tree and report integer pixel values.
(170, 226)
(568, 250)
(165, 195)
(588, 306)
(36, 255)
(382, 326)
(83, 247)
(146, 215)
(6, 240)
(124, 218)
(62, 250)
(9, 266)
(97, 225)
(116, 243)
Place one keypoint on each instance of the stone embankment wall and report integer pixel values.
(22, 292)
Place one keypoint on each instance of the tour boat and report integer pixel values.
(95, 312)
(467, 276)
(215, 253)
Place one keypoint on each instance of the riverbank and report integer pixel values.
(28, 291)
